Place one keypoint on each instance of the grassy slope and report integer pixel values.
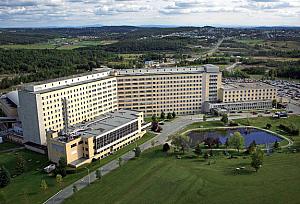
(155, 178)
(29, 182)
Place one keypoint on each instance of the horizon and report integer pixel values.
(152, 26)
(80, 13)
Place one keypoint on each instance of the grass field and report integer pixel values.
(25, 188)
(60, 44)
(155, 178)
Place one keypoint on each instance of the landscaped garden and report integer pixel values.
(25, 186)
(193, 177)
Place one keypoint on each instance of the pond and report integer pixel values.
(249, 134)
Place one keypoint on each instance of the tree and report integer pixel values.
(99, 174)
(20, 164)
(226, 143)
(62, 167)
(181, 141)
(274, 103)
(159, 129)
(137, 151)
(154, 118)
(75, 189)
(257, 159)
(166, 147)
(162, 115)
(120, 161)
(43, 185)
(252, 147)
(276, 145)
(59, 179)
(206, 156)
(268, 126)
(237, 141)
(198, 150)
(204, 118)
(4, 177)
(224, 118)
(169, 116)
(174, 114)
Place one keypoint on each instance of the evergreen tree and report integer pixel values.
(198, 150)
(99, 174)
(137, 151)
(44, 185)
(224, 119)
(169, 116)
(59, 179)
(166, 147)
(162, 115)
(20, 164)
(4, 177)
(174, 114)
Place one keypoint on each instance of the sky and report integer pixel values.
(44, 13)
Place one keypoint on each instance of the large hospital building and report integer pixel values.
(75, 112)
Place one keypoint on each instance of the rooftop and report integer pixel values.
(62, 82)
(102, 124)
(246, 86)
(209, 68)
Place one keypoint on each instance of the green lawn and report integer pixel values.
(7, 146)
(26, 187)
(155, 178)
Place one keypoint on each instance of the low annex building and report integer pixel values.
(96, 139)
(243, 96)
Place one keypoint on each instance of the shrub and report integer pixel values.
(233, 123)
(291, 129)
(166, 147)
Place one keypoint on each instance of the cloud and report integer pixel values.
(117, 8)
(141, 12)
(17, 3)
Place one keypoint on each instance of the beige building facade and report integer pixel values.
(59, 104)
(96, 139)
(236, 92)
(181, 90)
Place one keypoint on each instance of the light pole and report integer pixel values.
(88, 175)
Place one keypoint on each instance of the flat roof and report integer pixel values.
(96, 71)
(104, 123)
(69, 85)
(209, 68)
(246, 86)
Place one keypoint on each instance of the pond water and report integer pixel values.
(249, 134)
